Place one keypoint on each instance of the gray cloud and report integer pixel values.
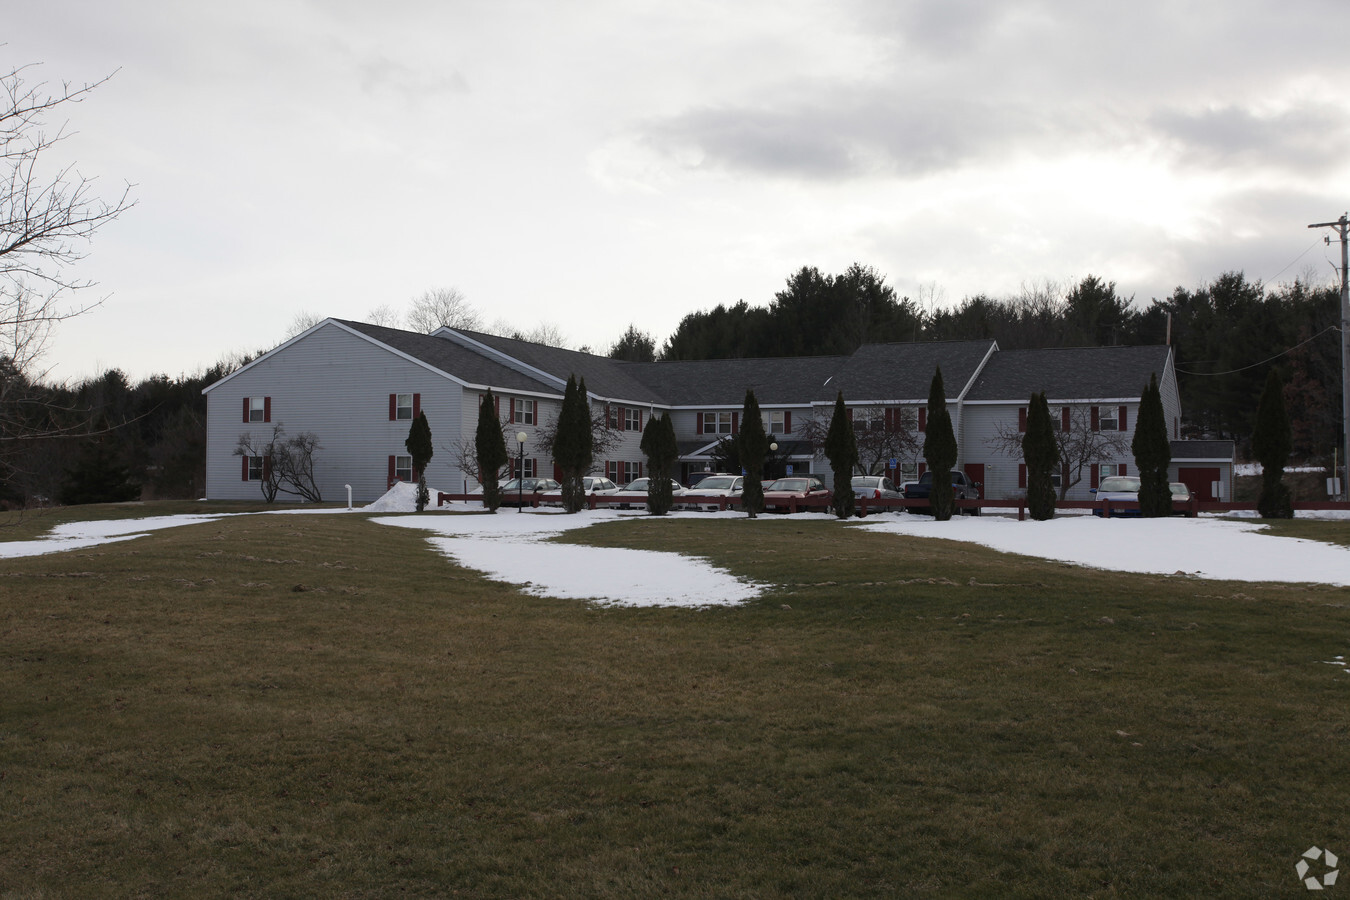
(1300, 139)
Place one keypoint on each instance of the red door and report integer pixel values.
(975, 472)
(1199, 480)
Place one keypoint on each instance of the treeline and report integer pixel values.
(1228, 335)
(105, 439)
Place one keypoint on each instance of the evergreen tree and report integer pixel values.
(841, 448)
(572, 444)
(98, 476)
(753, 445)
(658, 443)
(1152, 453)
(489, 446)
(940, 450)
(1271, 442)
(1041, 452)
(421, 451)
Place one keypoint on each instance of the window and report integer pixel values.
(255, 468)
(632, 420)
(522, 412)
(257, 409)
(1059, 420)
(869, 419)
(1110, 470)
(612, 417)
(404, 408)
(909, 470)
(403, 470)
(529, 468)
(775, 422)
(1108, 419)
(716, 423)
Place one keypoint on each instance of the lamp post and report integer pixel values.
(773, 448)
(520, 471)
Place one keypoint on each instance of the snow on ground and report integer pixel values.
(511, 546)
(1205, 547)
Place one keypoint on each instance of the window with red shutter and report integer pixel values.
(1022, 422)
(1022, 475)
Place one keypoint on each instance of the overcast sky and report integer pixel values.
(590, 163)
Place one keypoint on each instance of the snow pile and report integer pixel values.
(1207, 548)
(402, 497)
(511, 547)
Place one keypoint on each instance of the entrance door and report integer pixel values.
(975, 472)
(1199, 480)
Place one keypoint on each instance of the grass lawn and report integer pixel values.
(319, 706)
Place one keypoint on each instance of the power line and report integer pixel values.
(1264, 361)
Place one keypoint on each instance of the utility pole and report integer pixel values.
(1342, 226)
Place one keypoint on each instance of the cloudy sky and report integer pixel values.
(596, 163)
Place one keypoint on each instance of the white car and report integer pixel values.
(729, 486)
(634, 493)
(592, 484)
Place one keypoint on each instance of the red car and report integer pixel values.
(800, 488)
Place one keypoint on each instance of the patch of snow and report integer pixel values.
(511, 547)
(1206, 548)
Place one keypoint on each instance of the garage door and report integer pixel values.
(1199, 480)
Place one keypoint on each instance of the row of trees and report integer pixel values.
(1227, 334)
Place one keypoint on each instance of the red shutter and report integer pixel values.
(639, 420)
(1064, 419)
(391, 471)
(850, 415)
(245, 410)
(923, 466)
(267, 409)
(1093, 477)
(267, 468)
(1096, 425)
(639, 468)
(417, 405)
(393, 407)
(1021, 475)
(245, 458)
(1121, 420)
(890, 419)
(698, 423)
(787, 423)
(497, 406)
(1022, 422)
(735, 423)
(1122, 469)
(1064, 474)
(511, 412)
(923, 418)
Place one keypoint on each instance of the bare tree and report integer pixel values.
(881, 434)
(442, 308)
(604, 436)
(48, 213)
(287, 463)
(383, 315)
(303, 321)
(1080, 447)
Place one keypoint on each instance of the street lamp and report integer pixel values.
(773, 448)
(520, 472)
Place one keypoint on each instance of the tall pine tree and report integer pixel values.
(841, 448)
(753, 445)
(489, 446)
(572, 446)
(1152, 453)
(1041, 453)
(1271, 443)
(658, 443)
(420, 449)
(939, 450)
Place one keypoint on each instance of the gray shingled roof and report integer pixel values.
(1072, 373)
(722, 382)
(451, 358)
(604, 377)
(1202, 450)
(905, 371)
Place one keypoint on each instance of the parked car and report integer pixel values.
(634, 493)
(717, 485)
(874, 487)
(782, 492)
(514, 493)
(696, 477)
(592, 484)
(962, 489)
(1119, 488)
(1180, 492)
